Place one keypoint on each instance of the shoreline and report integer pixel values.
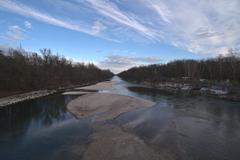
(188, 90)
(10, 100)
(25, 96)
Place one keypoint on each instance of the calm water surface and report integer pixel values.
(177, 127)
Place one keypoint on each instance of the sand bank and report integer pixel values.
(99, 86)
(105, 106)
(109, 142)
(75, 93)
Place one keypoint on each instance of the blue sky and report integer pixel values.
(119, 34)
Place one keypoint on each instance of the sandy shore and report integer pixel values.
(90, 89)
(105, 106)
(76, 93)
(99, 86)
(5, 101)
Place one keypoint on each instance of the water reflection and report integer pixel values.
(187, 127)
(38, 128)
(35, 113)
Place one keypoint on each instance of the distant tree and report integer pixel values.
(20, 70)
(214, 69)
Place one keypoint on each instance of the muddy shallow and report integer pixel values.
(186, 128)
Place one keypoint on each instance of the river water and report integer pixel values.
(181, 128)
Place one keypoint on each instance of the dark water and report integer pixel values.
(182, 128)
(40, 129)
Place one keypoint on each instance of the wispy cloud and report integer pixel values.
(15, 33)
(118, 63)
(205, 27)
(110, 10)
(27, 24)
(202, 27)
(161, 9)
(27, 11)
(98, 27)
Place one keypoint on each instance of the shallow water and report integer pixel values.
(189, 128)
(176, 127)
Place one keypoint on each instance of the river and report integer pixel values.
(177, 127)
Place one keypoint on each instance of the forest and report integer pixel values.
(26, 71)
(219, 69)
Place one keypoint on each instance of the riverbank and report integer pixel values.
(188, 89)
(17, 98)
(6, 101)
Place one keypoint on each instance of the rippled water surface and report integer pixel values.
(176, 127)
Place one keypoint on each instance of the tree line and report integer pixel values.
(222, 68)
(21, 70)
